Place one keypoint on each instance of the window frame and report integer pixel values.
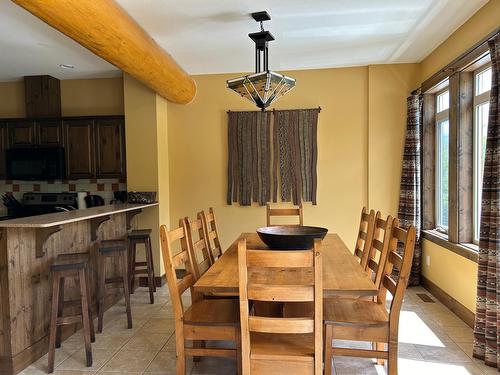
(439, 118)
(478, 99)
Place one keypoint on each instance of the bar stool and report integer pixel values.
(116, 249)
(135, 237)
(73, 265)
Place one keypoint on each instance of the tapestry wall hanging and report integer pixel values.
(272, 154)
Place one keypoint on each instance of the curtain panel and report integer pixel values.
(487, 324)
(272, 154)
(409, 210)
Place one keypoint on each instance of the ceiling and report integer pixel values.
(212, 36)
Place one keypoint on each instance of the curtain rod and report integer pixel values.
(275, 110)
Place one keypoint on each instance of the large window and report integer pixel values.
(442, 159)
(481, 106)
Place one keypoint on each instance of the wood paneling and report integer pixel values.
(25, 284)
(79, 147)
(107, 30)
(110, 139)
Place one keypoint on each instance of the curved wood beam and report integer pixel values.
(104, 28)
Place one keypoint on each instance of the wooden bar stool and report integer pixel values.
(70, 265)
(112, 249)
(135, 237)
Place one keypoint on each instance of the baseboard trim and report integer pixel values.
(159, 281)
(456, 307)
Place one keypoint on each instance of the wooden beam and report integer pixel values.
(104, 28)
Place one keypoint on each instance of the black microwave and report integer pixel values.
(43, 163)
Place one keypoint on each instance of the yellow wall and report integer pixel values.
(198, 146)
(456, 275)
(147, 155)
(79, 97)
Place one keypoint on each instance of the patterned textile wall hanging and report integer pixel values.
(272, 154)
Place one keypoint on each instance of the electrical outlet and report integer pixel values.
(428, 260)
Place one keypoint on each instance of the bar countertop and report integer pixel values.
(61, 218)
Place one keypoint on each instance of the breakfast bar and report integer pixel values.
(28, 247)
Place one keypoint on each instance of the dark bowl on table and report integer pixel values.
(290, 237)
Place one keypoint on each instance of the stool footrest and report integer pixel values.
(141, 264)
(69, 320)
(141, 272)
(72, 303)
(112, 280)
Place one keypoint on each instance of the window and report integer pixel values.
(482, 87)
(442, 159)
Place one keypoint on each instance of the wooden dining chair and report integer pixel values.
(214, 319)
(362, 320)
(198, 244)
(365, 235)
(295, 211)
(279, 345)
(212, 234)
(379, 248)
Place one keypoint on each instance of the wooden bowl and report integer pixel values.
(290, 237)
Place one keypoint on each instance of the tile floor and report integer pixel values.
(432, 341)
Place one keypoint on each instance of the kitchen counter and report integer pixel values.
(61, 218)
(28, 248)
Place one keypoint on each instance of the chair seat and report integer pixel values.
(293, 347)
(214, 312)
(350, 311)
(107, 246)
(139, 233)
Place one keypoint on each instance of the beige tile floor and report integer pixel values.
(432, 341)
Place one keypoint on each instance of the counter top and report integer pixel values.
(61, 218)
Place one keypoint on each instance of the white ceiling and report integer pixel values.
(212, 36)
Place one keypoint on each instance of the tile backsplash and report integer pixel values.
(102, 187)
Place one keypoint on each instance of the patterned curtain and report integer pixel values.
(409, 194)
(487, 325)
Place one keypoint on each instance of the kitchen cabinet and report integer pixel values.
(22, 133)
(3, 147)
(79, 148)
(49, 133)
(110, 150)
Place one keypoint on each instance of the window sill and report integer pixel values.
(469, 251)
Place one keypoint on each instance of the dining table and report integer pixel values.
(342, 273)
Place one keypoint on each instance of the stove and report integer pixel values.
(39, 203)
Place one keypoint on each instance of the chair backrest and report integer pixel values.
(403, 263)
(169, 240)
(293, 211)
(379, 248)
(251, 287)
(198, 244)
(212, 234)
(365, 235)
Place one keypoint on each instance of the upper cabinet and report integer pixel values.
(79, 147)
(22, 133)
(49, 133)
(3, 147)
(110, 152)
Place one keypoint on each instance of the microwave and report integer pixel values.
(43, 163)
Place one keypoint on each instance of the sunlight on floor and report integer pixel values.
(413, 330)
(412, 367)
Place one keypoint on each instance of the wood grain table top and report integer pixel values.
(342, 274)
(61, 218)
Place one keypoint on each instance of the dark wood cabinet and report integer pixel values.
(22, 134)
(49, 133)
(43, 96)
(110, 150)
(3, 147)
(79, 148)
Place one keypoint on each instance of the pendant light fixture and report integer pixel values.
(264, 86)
